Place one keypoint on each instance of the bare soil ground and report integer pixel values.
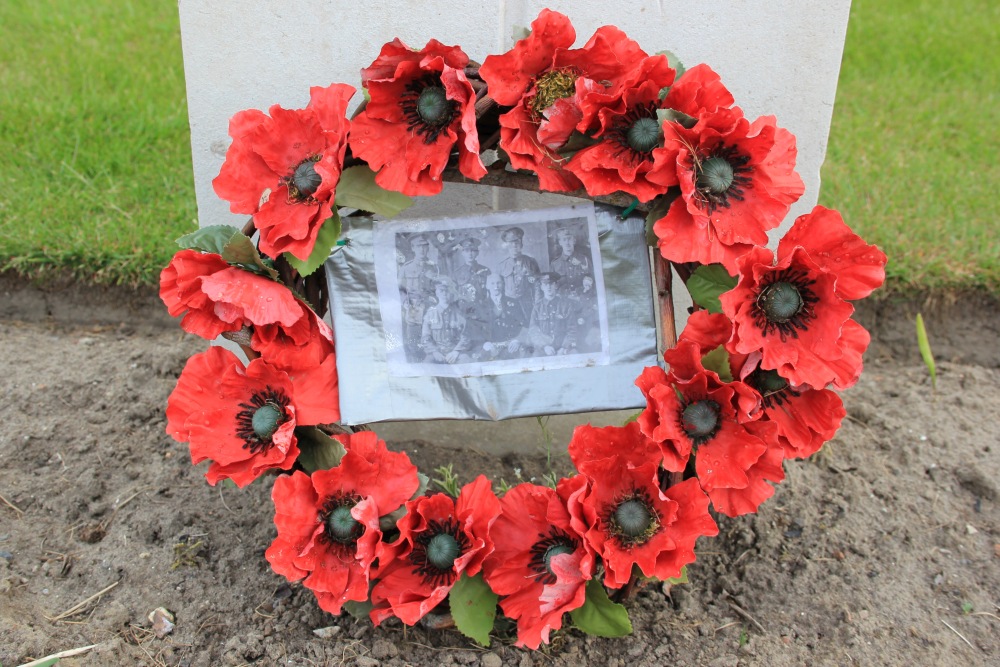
(882, 550)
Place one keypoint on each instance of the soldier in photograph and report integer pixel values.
(444, 338)
(553, 325)
(470, 275)
(588, 317)
(503, 322)
(572, 263)
(414, 305)
(519, 271)
(417, 275)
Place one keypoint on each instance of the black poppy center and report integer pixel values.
(545, 549)
(700, 420)
(773, 388)
(716, 175)
(432, 105)
(644, 135)
(721, 177)
(552, 86)
(555, 550)
(442, 550)
(633, 517)
(342, 527)
(436, 549)
(780, 301)
(785, 303)
(427, 108)
(258, 419)
(305, 179)
(768, 382)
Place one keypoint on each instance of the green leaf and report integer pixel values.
(357, 189)
(925, 350)
(682, 579)
(659, 209)
(209, 239)
(707, 283)
(240, 251)
(519, 32)
(358, 610)
(674, 62)
(599, 616)
(675, 116)
(474, 608)
(326, 240)
(317, 450)
(718, 360)
(632, 418)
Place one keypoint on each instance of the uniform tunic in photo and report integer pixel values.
(444, 330)
(554, 322)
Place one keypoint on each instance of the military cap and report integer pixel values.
(549, 277)
(418, 239)
(565, 231)
(469, 242)
(512, 233)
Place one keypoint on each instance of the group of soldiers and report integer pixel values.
(474, 313)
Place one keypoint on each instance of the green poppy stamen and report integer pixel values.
(305, 179)
(716, 175)
(266, 420)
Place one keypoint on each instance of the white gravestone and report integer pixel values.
(777, 57)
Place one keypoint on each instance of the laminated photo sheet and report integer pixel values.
(510, 292)
(510, 314)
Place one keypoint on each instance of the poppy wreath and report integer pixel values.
(750, 382)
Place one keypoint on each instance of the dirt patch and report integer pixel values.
(883, 549)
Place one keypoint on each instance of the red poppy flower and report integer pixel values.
(242, 419)
(793, 310)
(698, 91)
(741, 488)
(328, 524)
(694, 411)
(180, 291)
(306, 353)
(216, 297)
(737, 181)
(555, 90)
(805, 417)
(439, 540)
(540, 564)
(633, 523)
(590, 445)
(422, 106)
(283, 169)
(628, 155)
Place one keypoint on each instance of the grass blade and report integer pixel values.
(925, 350)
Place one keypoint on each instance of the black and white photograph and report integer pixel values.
(486, 295)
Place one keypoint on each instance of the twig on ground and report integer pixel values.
(723, 627)
(744, 614)
(68, 653)
(20, 512)
(985, 613)
(75, 609)
(107, 522)
(960, 635)
(224, 502)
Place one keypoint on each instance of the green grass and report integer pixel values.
(95, 165)
(914, 156)
(95, 158)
